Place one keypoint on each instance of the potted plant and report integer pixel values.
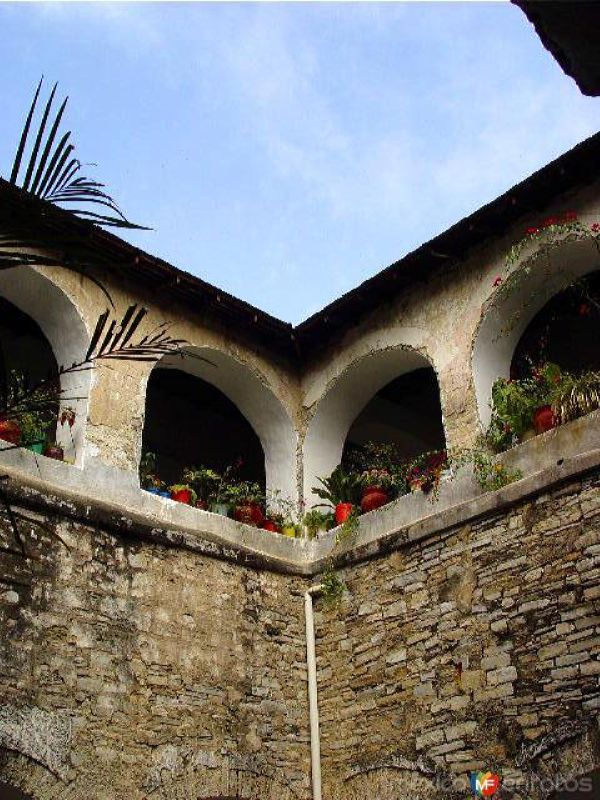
(282, 511)
(10, 430)
(34, 425)
(54, 450)
(246, 498)
(204, 482)
(149, 479)
(342, 490)
(316, 521)
(182, 493)
(377, 487)
(272, 523)
(424, 472)
(576, 396)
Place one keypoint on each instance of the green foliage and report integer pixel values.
(241, 493)
(489, 473)
(576, 396)
(203, 480)
(514, 403)
(333, 587)
(349, 527)
(315, 520)
(340, 487)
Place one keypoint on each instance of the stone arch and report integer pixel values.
(505, 316)
(394, 780)
(63, 326)
(343, 401)
(256, 402)
(22, 778)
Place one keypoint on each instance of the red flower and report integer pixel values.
(497, 280)
(595, 227)
(531, 231)
(570, 215)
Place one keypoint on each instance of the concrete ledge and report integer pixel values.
(112, 499)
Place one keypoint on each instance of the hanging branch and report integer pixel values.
(52, 172)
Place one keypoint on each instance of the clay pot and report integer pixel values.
(54, 451)
(182, 496)
(270, 525)
(342, 512)
(246, 514)
(373, 497)
(10, 431)
(543, 419)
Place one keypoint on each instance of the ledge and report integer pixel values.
(63, 490)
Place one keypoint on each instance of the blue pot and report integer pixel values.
(159, 492)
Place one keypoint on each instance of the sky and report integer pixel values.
(287, 152)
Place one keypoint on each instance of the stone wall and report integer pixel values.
(132, 670)
(478, 647)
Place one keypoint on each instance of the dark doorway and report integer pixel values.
(191, 423)
(406, 413)
(565, 331)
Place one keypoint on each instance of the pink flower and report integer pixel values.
(497, 280)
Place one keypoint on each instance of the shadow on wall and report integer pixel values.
(8, 792)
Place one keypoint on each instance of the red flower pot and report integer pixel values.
(342, 512)
(373, 497)
(270, 525)
(257, 515)
(54, 451)
(182, 496)
(10, 431)
(201, 504)
(543, 419)
(247, 514)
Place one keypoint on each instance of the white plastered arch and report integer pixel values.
(344, 400)
(256, 402)
(62, 324)
(508, 313)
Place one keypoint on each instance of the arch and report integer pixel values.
(564, 331)
(506, 315)
(219, 374)
(38, 297)
(343, 403)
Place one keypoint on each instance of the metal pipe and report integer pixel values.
(313, 704)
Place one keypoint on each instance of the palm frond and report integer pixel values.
(53, 174)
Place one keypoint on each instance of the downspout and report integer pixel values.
(313, 704)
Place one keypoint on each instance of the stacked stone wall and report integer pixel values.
(476, 648)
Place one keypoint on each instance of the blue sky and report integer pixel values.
(286, 152)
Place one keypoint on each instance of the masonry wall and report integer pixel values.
(476, 648)
(130, 670)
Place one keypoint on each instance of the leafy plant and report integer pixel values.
(203, 480)
(243, 493)
(576, 396)
(374, 456)
(332, 587)
(340, 487)
(53, 172)
(349, 527)
(315, 520)
(425, 471)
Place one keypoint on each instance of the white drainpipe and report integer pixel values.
(313, 704)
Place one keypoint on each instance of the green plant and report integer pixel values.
(203, 480)
(281, 509)
(242, 493)
(315, 520)
(374, 455)
(489, 473)
(576, 396)
(340, 487)
(349, 527)
(332, 587)
(514, 402)
(34, 426)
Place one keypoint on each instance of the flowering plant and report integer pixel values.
(371, 478)
(424, 472)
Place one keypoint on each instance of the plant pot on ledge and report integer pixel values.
(10, 431)
(373, 497)
(543, 419)
(342, 512)
(55, 451)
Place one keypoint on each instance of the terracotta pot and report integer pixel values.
(246, 514)
(373, 497)
(543, 419)
(270, 525)
(182, 496)
(342, 512)
(10, 431)
(54, 451)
